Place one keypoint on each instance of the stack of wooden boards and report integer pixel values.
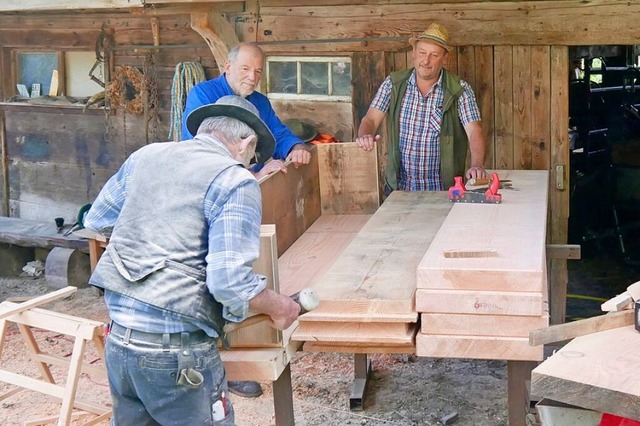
(482, 284)
(367, 295)
(395, 269)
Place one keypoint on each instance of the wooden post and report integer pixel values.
(5, 166)
(217, 32)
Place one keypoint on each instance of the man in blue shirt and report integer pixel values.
(242, 73)
(179, 265)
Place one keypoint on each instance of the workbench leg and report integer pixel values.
(283, 399)
(518, 373)
(361, 370)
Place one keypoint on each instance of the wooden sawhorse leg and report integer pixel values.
(283, 399)
(361, 370)
(518, 374)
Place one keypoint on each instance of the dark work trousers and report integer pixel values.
(143, 368)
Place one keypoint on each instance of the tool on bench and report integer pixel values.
(458, 193)
(79, 220)
(307, 299)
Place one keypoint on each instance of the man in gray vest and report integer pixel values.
(432, 120)
(185, 220)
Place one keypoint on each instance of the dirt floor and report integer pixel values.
(403, 390)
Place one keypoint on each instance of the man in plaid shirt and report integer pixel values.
(432, 120)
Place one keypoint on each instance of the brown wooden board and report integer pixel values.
(480, 302)
(262, 334)
(368, 333)
(596, 371)
(481, 325)
(31, 233)
(515, 229)
(374, 278)
(477, 347)
(315, 251)
(348, 179)
(291, 201)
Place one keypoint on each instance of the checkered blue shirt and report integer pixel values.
(234, 213)
(420, 121)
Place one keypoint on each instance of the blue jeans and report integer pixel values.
(142, 372)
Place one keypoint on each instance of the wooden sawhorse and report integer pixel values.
(83, 330)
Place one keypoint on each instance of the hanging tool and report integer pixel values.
(307, 299)
(458, 193)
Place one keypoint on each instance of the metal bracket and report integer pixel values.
(560, 177)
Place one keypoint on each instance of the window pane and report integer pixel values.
(314, 78)
(341, 78)
(77, 67)
(283, 77)
(37, 67)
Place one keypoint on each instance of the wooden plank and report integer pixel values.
(376, 273)
(315, 251)
(522, 113)
(540, 108)
(634, 291)
(369, 333)
(503, 227)
(262, 334)
(503, 69)
(260, 364)
(32, 233)
(479, 302)
(477, 347)
(484, 92)
(570, 22)
(353, 348)
(481, 325)
(561, 332)
(9, 310)
(348, 179)
(291, 201)
(619, 303)
(41, 5)
(563, 251)
(594, 372)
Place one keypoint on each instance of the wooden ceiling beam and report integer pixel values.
(217, 32)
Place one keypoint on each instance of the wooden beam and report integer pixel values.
(7, 311)
(41, 5)
(5, 167)
(217, 32)
(619, 303)
(561, 332)
(563, 251)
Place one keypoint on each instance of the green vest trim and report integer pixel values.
(454, 142)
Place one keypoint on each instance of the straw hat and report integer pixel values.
(435, 33)
(240, 109)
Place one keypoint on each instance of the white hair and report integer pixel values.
(230, 129)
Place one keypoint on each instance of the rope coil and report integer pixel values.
(186, 75)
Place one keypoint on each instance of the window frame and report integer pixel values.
(15, 68)
(303, 96)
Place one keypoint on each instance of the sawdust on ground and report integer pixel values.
(402, 390)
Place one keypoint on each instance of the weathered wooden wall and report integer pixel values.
(58, 157)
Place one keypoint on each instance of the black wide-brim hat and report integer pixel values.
(240, 109)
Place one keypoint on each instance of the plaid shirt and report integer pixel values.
(420, 120)
(234, 214)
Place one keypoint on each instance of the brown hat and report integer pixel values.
(435, 33)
